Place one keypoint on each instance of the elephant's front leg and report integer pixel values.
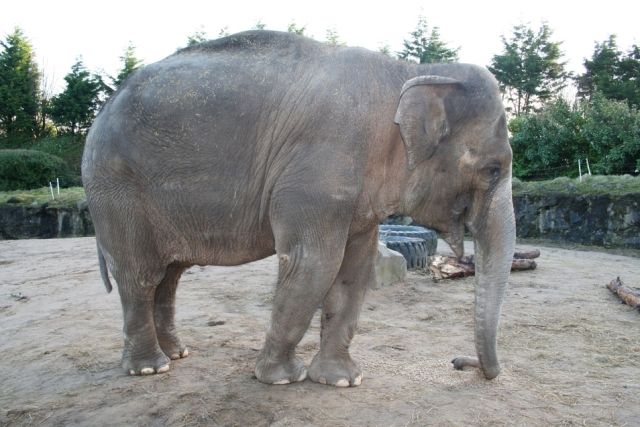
(306, 271)
(333, 364)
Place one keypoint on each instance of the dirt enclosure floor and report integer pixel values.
(570, 351)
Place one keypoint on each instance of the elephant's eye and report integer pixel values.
(492, 172)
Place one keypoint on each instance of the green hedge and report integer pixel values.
(69, 148)
(27, 169)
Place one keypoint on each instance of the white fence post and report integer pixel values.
(580, 170)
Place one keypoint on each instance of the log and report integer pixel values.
(449, 267)
(523, 264)
(527, 254)
(628, 295)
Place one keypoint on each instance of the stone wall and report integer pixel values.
(603, 220)
(43, 222)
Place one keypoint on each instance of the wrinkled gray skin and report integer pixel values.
(262, 143)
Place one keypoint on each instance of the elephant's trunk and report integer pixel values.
(494, 246)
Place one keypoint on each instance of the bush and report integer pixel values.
(550, 143)
(547, 144)
(68, 147)
(27, 169)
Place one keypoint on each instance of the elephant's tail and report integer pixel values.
(103, 271)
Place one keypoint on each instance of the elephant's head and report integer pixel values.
(459, 161)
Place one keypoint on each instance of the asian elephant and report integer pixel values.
(266, 143)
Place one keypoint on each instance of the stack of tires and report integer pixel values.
(413, 242)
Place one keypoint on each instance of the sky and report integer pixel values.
(99, 31)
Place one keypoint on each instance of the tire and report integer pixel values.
(413, 249)
(428, 235)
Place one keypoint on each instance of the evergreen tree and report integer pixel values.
(259, 25)
(426, 47)
(529, 69)
(385, 49)
(612, 73)
(293, 28)
(19, 87)
(199, 37)
(333, 38)
(130, 63)
(73, 110)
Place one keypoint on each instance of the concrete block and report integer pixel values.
(391, 267)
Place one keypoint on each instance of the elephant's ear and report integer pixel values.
(422, 115)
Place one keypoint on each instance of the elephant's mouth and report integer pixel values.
(455, 238)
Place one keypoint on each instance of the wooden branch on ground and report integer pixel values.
(449, 267)
(527, 254)
(628, 295)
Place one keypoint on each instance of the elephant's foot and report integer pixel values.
(287, 371)
(156, 363)
(336, 371)
(172, 347)
(460, 363)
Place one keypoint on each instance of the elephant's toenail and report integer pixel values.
(163, 369)
(358, 380)
(147, 371)
(342, 383)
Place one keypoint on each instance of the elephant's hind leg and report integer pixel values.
(340, 310)
(142, 354)
(164, 314)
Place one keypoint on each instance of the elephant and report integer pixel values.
(265, 143)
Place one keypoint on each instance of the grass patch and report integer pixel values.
(69, 197)
(616, 185)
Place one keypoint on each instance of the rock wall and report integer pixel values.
(603, 220)
(43, 222)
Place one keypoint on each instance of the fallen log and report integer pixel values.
(628, 295)
(527, 254)
(449, 267)
(523, 264)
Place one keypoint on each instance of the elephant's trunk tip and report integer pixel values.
(491, 372)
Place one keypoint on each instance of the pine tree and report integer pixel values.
(130, 63)
(293, 28)
(200, 36)
(73, 110)
(19, 87)
(333, 38)
(611, 73)
(426, 47)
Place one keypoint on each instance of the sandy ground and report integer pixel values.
(570, 350)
